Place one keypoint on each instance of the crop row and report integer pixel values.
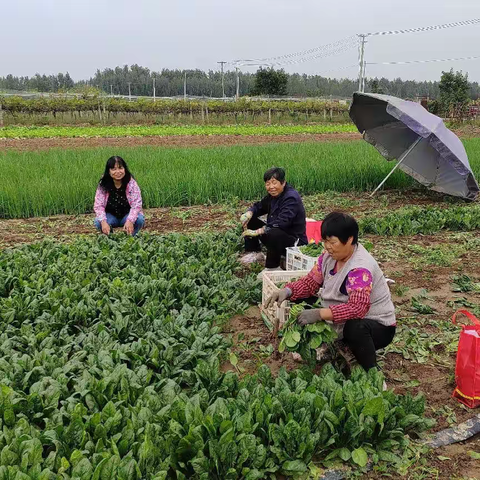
(110, 354)
(168, 130)
(53, 105)
(424, 220)
(64, 181)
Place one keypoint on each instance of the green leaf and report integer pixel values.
(7, 457)
(295, 466)
(474, 455)
(290, 340)
(389, 457)
(76, 431)
(442, 458)
(128, 469)
(233, 359)
(110, 467)
(83, 469)
(64, 464)
(360, 457)
(316, 341)
(98, 470)
(375, 407)
(75, 457)
(344, 454)
(9, 417)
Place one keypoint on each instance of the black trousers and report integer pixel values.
(365, 337)
(275, 240)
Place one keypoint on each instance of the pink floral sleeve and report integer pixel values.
(101, 199)
(134, 197)
(359, 287)
(359, 279)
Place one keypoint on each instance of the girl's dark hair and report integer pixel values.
(340, 225)
(275, 172)
(106, 182)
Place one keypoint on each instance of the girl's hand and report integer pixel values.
(128, 227)
(105, 227)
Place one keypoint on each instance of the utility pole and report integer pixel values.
(361, 62)
(223, 79)
(237, 95)
(111, 90)
(185, 86)
(154, 98)
(129, 92)
(364, 75)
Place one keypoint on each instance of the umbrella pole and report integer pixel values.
(404, 156)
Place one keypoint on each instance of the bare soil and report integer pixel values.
(213, 217)
(251, 341)
(184, 141)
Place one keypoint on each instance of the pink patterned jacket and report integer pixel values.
(134, 197)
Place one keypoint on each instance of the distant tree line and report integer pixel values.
(170, 83)
(38, 83)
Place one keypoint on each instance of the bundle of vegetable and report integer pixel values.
(304, 340)
(312, 249)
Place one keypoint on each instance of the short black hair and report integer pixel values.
(340, 225)
(274, 172)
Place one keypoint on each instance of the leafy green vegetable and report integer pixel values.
(359, 456)
(304, 340)
(463, 283)
(312, 249)
(110, 368)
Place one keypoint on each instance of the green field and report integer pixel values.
(64, 181)
(110, 352)
(119, 357)
(168, 130)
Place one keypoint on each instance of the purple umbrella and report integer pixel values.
(423, 146)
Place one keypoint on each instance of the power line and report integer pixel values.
(407, 62)
(338, 51)
(340, 46)
(427, 29)
(324, 50)
(336, 48)
(362, 37)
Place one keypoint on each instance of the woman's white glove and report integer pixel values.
(245, 218)
(253, 233)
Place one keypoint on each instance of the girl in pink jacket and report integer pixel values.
(118, 200)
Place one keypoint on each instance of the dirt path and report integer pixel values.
(214, 217)
(185, 141)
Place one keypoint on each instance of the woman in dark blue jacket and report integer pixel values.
(285, 221)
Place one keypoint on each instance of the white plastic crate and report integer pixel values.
(296, 260)
(277, 315)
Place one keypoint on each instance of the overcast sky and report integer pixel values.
(51, 36)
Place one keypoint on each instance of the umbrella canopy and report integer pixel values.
(424, 147)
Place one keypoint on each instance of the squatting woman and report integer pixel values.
(118, 200)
